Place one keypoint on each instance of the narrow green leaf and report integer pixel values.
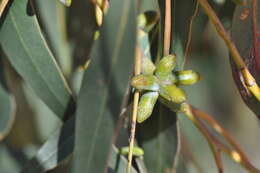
(28, 52)
(103, 87)
(149, 5)
(141, 165)
(55, 150)
(7, 108)
(59, 147)
(150, 11)
(53, 18)
(7, 104)
(158, 137)
(81, 28)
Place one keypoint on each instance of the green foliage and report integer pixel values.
(32, 57)
(66, 85)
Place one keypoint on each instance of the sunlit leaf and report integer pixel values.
(28, 52)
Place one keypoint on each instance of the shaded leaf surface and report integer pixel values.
(7, 107)
(28, 52)
(59, 147)
(246, 39)
(52, 15)
(103, 87)
(81, 28)
(158, 137)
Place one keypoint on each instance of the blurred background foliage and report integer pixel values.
(69, 33)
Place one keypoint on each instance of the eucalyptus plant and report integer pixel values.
(105, 85)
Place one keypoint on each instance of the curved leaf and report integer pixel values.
(246, 38)
(53, 18)
(28, 52)
(103, 87)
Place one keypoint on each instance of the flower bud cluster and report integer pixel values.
(163, 82)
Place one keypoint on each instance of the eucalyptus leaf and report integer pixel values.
(246, 38)
(24, 45)
(7, 109)
(7, 106)
(59, 148)
(103, 86)
(52, 16)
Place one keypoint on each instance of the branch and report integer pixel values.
(234, 152)
(249, 79)
(187, 48)
(167, 28)
(137, 71)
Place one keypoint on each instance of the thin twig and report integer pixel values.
(187, 48)
(237, 153)
(167, 28)
(210, 139)
(222, 32)
(2, 6)
(240, 64)
(187, 153)
(216, 145)
(137, 71)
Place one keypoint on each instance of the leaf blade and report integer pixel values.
(28, 52)
(159, 138)
(103, 86)
(59, 148)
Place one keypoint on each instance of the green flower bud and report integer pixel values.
(66, 2)
(137, 151)
(147, 66)
(146, 105)
(172, 93)
(141, 21)
(168, 79)
(165, 65)
(145, 82)
(99, 15)
(187, 77)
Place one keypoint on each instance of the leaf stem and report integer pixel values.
(187, 47)
(249, 79)
(137, 71)
(167, 28)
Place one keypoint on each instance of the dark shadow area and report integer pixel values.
(81, 28)
(30, 9)
(157, 123)
(17, 154)
(60, 144)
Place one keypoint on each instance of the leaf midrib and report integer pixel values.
(30, 59)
